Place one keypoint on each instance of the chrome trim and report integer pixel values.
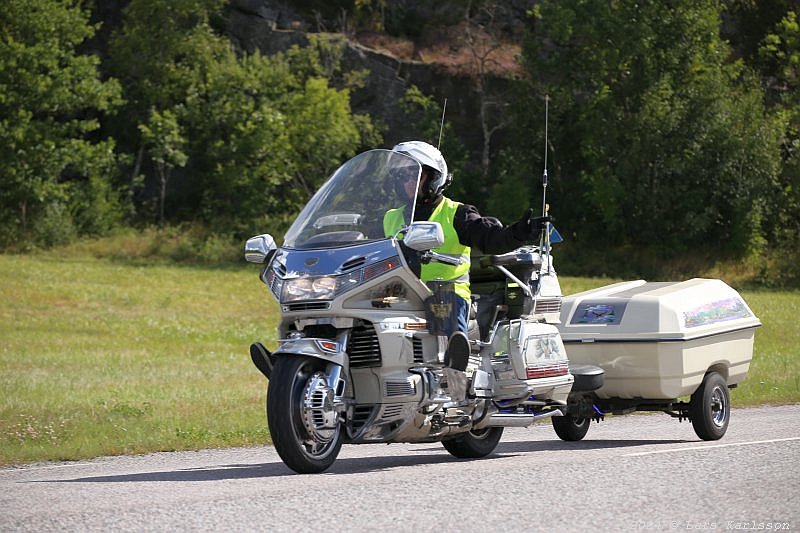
(515, 279)
(656, 339)
(519, 421)
(423, 236)
(258, 248)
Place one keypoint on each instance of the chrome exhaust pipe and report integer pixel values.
(519, 421)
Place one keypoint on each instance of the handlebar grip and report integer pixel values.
(440, 258)
(499, 260)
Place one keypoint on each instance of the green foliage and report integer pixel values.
(280, 130)
(181, 244)
(661, 134)
(662, 139)
(780, 57)
(424, 115)
(51, 100)
(261, 133)
(153, 53)
(161, 135)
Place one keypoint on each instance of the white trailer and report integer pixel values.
(656, 343)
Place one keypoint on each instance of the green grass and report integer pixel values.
(774, 376)
(102, 357)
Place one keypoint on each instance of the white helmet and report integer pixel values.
(428, 156)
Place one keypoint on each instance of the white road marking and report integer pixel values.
(673, 450)
(44, 467)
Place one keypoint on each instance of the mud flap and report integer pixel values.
(261, 358)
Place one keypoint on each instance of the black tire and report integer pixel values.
(474, 444)
(710, 407)
(303, 451)
(570, 428)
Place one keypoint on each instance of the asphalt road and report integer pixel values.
(631, 473)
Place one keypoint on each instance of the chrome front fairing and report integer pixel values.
(376, 325)
(357, 270)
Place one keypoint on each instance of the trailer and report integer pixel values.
(675, 347)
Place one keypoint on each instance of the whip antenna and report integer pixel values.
(441, 125)
(544, 176)
(545, 207)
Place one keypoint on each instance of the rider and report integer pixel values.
(463, 228)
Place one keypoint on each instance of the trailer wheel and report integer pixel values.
(710, 407)
(570, 428)
(474, 444)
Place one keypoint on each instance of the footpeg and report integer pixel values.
(457, 417)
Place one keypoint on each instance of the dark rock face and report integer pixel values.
(266, 26)
(272, 26)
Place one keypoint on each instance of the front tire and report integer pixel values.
(710, 407)
(570, 428)
(474, 444)
(305, 430)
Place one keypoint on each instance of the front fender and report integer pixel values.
(312, 347)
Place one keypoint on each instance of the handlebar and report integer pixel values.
(517, 257)
(430, 255)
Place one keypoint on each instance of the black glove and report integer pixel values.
(528, 227)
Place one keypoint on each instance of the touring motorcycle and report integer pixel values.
(361, 356)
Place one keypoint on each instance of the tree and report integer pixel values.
(53, 167)
(424, 115)
(483, 41)
(154, 54)
(279, 130)
(661, 140)
(779, 55)
(161, 135)
(261, 132)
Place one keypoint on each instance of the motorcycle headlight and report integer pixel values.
(316, 288)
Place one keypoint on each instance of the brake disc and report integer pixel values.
(319, 417)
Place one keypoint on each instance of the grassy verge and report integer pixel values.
(101, 357)
(104, 358)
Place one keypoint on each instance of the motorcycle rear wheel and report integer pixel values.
(303, 446)
(474, 444)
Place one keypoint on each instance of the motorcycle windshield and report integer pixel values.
(351, 206)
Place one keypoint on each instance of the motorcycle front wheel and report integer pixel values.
(305, 430)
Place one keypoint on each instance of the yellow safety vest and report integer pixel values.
(444, 214)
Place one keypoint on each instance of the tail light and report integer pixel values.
(547, 370)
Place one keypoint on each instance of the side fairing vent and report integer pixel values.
(363, 347)
(399, 387)
(353, 263)
(548, 305)
(417, 346)
(361, 415)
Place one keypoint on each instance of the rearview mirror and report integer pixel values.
(258, 248)
(424, 236)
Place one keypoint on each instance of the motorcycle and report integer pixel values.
(360, 357)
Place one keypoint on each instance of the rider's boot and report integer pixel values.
(457, 354)
(456, 358)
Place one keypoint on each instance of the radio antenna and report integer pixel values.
(545, 207)
(441, 125)
(544, 176)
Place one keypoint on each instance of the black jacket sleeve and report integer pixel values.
(487, 234)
